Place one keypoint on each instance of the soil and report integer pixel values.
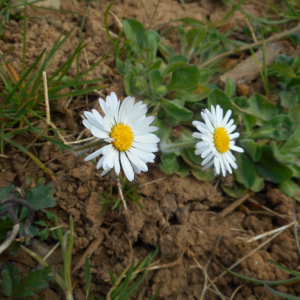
(179, 214)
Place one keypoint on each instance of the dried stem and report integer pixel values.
(272, 38)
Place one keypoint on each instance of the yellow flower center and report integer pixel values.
(221, 140)
(123, 137)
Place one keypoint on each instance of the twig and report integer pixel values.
(251, 30)
(233, 206)
(153, 181)
(10, 239)
(270, 211)
(236, 290)
(46, 98)
(273, 38)
(121, 193)
(246, 256)
(258, 237)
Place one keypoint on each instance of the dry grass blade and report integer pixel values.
(233, 206)
(249, 254)
(94, 245)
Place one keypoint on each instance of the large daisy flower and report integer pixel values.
(217, 140)
(126, 129)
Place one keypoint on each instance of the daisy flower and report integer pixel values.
(126, 129)
(217, 140)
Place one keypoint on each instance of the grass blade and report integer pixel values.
(34, 158)
(249, 279)
(13, 91)
(280, 294)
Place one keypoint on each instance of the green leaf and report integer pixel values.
(4, 194)
(270, 168)
(6, 225)
(278, 128)
(229, 87)
(154, 66)
(288, 99)
(208, 174)
(205, 76)
(251, 148)
(169, 164)
(184, 78)
(191, 158)
(194, 37)
(156, 79)
(294, 114)
(245, 172)
(293, 143)
(258, 184)
(172, 67)
(291, 189)
(135, 31)
(218, 97)
(176, 111)
(282, 154)
(261, 107)
(151, 42)
(236, 192)
(35, 281)
(10, 279)
(183, 169)
(178, 58)
(39, 197)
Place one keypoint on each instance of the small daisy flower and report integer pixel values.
(126, 128)
(217, 140)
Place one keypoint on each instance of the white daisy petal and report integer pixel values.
(227, 165)
(202, 144)
(200, 151)
(100, 163)
(207, 159)
(226, 118)
(214, 118)
(93, 155)
(127, 129)
(237, 149)
(208, 165)
(98, 116)
(216, 137)
(144, 156)
(231, 129)
(205, 153)
(105, 172)
(102, 105)
(229, 124)
(209, 115)
(99, 133)
(217, 164)
(222, 165)
(146, 138)
(137, 162)
(117, 162)
(126, 166)
(145, 147)
(87, 124)
(91, 118)
(230, 160)
(197, 135)
(234, 135)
